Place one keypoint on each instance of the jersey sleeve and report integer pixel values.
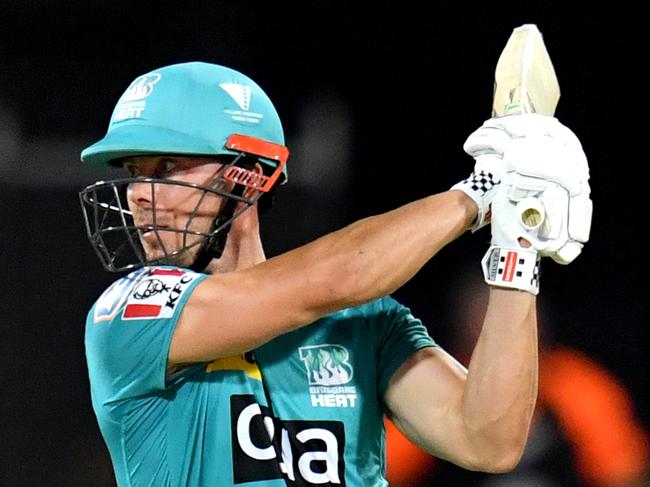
(129, 331)
(400, 335)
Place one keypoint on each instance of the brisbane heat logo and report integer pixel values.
(328, 371)
(326, 365)
(132, 102)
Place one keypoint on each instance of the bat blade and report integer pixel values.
(524, 79)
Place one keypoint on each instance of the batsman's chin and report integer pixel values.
(178, 258)
(164, 254)
(166, 246)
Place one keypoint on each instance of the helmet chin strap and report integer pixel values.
(214, 246)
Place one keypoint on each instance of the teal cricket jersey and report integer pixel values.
(305, 409)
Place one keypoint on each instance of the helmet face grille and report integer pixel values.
(116, 233)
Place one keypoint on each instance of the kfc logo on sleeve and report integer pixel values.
(157, 295)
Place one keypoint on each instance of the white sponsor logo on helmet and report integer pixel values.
(242, 95)
(141, 87)
(131, 103)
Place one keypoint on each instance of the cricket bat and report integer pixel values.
(525, 82)
(524, 79)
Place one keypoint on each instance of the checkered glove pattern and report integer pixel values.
(481, 186)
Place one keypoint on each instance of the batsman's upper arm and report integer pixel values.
(232, 313)
(423, 399)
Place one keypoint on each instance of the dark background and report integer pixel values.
(377, 100)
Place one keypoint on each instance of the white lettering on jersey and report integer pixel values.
(330, 456)
(243, 428)
(310, 452)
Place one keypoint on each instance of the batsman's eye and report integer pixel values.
(167, 166)
(132, 169)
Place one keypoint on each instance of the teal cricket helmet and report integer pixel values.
(193, 108)
(189, 109)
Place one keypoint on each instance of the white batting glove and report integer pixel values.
(544, 197)
(543, 151)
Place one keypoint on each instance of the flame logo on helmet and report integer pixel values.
(141, 87)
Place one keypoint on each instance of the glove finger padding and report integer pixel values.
(534, 145)
(489, 138)
(550, 159)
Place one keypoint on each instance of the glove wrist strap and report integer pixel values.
(479, 187)
(511, 267)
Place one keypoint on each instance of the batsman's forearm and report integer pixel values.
(235, 312)
(375, 256)
(501, 387)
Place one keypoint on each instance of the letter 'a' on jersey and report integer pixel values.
(190, 109)
(305, 409)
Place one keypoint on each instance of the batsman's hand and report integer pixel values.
(542, 206)
(545, 186)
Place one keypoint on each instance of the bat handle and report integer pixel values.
(531, 213)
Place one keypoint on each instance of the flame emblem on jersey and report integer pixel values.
(327, 365)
